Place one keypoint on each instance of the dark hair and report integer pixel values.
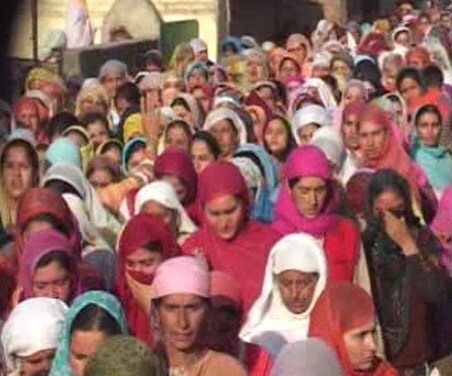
(409, 72)
(153, 246)
(94, 317)
(179, 124)
(133, 149)
(50, 219)
(210, 141)
(427, 109)
(432, 76)
(59, 123)
(291, 143)
(94, 117)
(151, 57)
(60, 257)
(424, 15)
(385, 180)
(180, 102)
(62, 187)
(130, 92)
(31, 154)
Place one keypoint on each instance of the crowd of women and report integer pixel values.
(285, 211)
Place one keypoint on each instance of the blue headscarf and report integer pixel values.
(64, 150)
(127, 148)
(264, 200)
(231, 41)
(106, 301)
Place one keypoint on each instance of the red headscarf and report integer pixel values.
(245, 255)
(373, 44)
(139, 231)
(341, 308)
(420, 53)
(25, 103)
(177, 162)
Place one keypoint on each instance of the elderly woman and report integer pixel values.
(30, 336)
(92, 98)
(180, 305)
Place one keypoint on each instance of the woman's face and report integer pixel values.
(309, 196)
(203, 98)
(389, 201)
(91, 105)
(372, 138)
(226, 136)
(176, 137)
(276, 137)
(350, 133)
(428, 129)
(289, 69)
(224, 215)
(182, 113)
(352, 94)
(114, 154)
(178, 186)
(37, 364)
(306, 133)
(410, 89)
(297, 289)
(196, 79)
(361, 347)
(201, 155)
(29, 117)
(136, 157)
(169, 216)
(403, 39)
(100, 178)
(268, 96)
(254, 69)
(111, 83)
(98, 133)
(83, 345)
(340, 68)
(143, 261)
(52, 281)
(17, 172)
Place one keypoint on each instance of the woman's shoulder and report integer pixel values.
(345, 226)
(222, 365)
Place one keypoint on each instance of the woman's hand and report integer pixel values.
(142, 293)
(398, 231)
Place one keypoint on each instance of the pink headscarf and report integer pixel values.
(305, 161)
(36, 246)
(184, 274)
(442, 226)
(25, 103)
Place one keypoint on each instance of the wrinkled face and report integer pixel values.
(197, 78)
(403, 39)
(100, 178)
(52, 281)
(268, 96)
(298, 50)
(169, 216)
(201, 155)
(17, 172)
(181, 317)
(389, 201)
(350, 135)
(306, 133)
(182, 113)
(361, 346)
(372, 138)
(91, 105)
(340, 68)
(276, 137)
(98, 133)
(83, 345)
(410, 89)
(297, 289)
(178, 185)
(254, 69)
(428, 129)
(352, 94)
(29, 117)
(224, 215)
(309, 195)
(288, 70)
(143, 261)
(111, 84)
(37, 364)
(226, 136)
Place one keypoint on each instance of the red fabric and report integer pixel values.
(139, 231)
(245, 256)
(175, 161)
(418, 52)
(435, 97)
(25, 103)
(343, 307)
(257, 361)
(373, 44)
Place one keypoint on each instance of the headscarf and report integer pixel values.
(372, 44)
(104, 300)
(103, 162)
(94, 92)
(32, 326)
(442, 225)
(39, 244)
(123, 356)
(39, 74)
(353, 83)
(138, 232)
(64, 150)
(196, 66)
(231, 42)
(356, 188)
(270, 324)
(227, 114)
(127, 149)
(420, 53)
(330, 142)
(164, 194)
(174, 161)
(195, 109)
(305, 161)
(402, 50)
(312, 113)
(341, 308)
(326, 96)
(312, 357)
(255, 160)
(262, 61)
(132, 127)
(110, 67)
(102, 148)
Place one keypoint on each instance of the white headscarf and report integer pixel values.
(326, 96)
(270, 324)
(228, 114)
(33, 325)
(164, 194)
(312, 113)
(330, 142)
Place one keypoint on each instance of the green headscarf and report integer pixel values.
(60, 365)
(124, 356)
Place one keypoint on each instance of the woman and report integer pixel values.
(344, 318)
(307, 120)
(144, 244)
(26, 114)
(159, 198)
(102, 171)
(92, 318)
(48, 267)
(295, 276)
(256, 67)
(92, 98)
(426, 150)
(278, 138)
(204, 150)
(409, 84)
(180, 305)
(196, 75)
(173, 85)
(186, 107)
(319, 90)
(401, 40)
(228, 129)
(355, 90)
(178, 134)
(308, 203)
(30, 336)
(288, 68)
(112, 149)
(134, 153)
(406, 279)
(417, 57)
(97, 127)
(19, 169)
(228, 237)
(182, 56)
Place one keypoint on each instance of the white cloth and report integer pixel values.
(349, 167)
(325, 93)
(312, 113)
(78, 28)
(33, 325)
(269, 323)
(164, 194)
(330, 142)
(227, 114)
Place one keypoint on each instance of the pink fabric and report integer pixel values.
(443, 219)
(184, 274)
(305, 161)
(225, 286)
(25, 103)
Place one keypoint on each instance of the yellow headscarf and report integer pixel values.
(133, 127)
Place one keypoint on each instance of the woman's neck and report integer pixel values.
(12, 207)
(181, 359)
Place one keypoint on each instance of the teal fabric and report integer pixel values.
(127, 147)
(60, 365)
(435, 161)
(64, 150)
(196, 65)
